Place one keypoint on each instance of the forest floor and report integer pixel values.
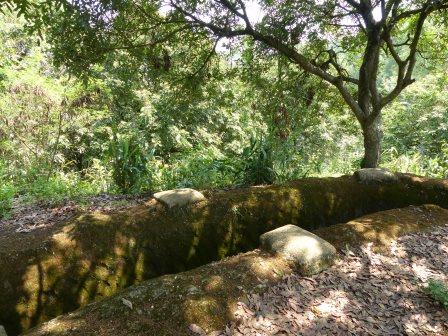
(27, 217)
(369, 291)
(364, 293)
(375, 288)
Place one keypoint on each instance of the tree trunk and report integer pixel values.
(372, 132)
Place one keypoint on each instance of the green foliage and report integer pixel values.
(257, 163)
(59, 187)
(418, 163)
(419, 119)
(129, 164)
(160, 118)
(438, 291)
(7, 191)
(416, 128)
(201, 168)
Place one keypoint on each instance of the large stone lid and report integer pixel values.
(179, 197)
(375, 175)
(309, 253)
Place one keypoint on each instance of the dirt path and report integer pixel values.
(40, 218)
(365, 293)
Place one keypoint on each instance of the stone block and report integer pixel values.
(375, 175)
(179, 197)
(309, 253)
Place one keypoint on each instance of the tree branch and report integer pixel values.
(429, 7)
(219, 31)
(207, 59)
(289, 51)
(404, 77)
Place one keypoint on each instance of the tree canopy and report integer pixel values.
(319, 37)
(132, 96)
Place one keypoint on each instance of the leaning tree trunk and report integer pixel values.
(372, 132)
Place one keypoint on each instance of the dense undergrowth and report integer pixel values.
(62, 137)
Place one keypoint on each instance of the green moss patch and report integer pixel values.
(45, 274)
(208, 295)
(382, 227)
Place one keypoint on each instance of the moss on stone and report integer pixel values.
(59, 269)
(382, 227)
(208, 295)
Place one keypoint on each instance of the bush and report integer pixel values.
(257, 164)
(129, 162)
(7, 192)
(438, 291)
(203, 168)
(418, 163)
(59, 187)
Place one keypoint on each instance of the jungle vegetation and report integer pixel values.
(139, 96)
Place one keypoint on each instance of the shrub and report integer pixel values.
(418, 163)
(59, 187)
(203, 168)
(438, 291)
(129, 162)
(257, 164)
(7, 192)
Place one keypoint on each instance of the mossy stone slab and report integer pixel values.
(179, 197)
(309, 253)
(375, 175)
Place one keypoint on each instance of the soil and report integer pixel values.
(364, 293)
(42, 218)
(167, 305)
(54, 260)
(382, 227)
(375, 288)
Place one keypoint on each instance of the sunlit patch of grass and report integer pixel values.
(438, 291)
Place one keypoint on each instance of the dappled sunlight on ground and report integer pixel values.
(381, 228)
(206, 296)
(70, 324)
(98, 254)
(365, 293)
